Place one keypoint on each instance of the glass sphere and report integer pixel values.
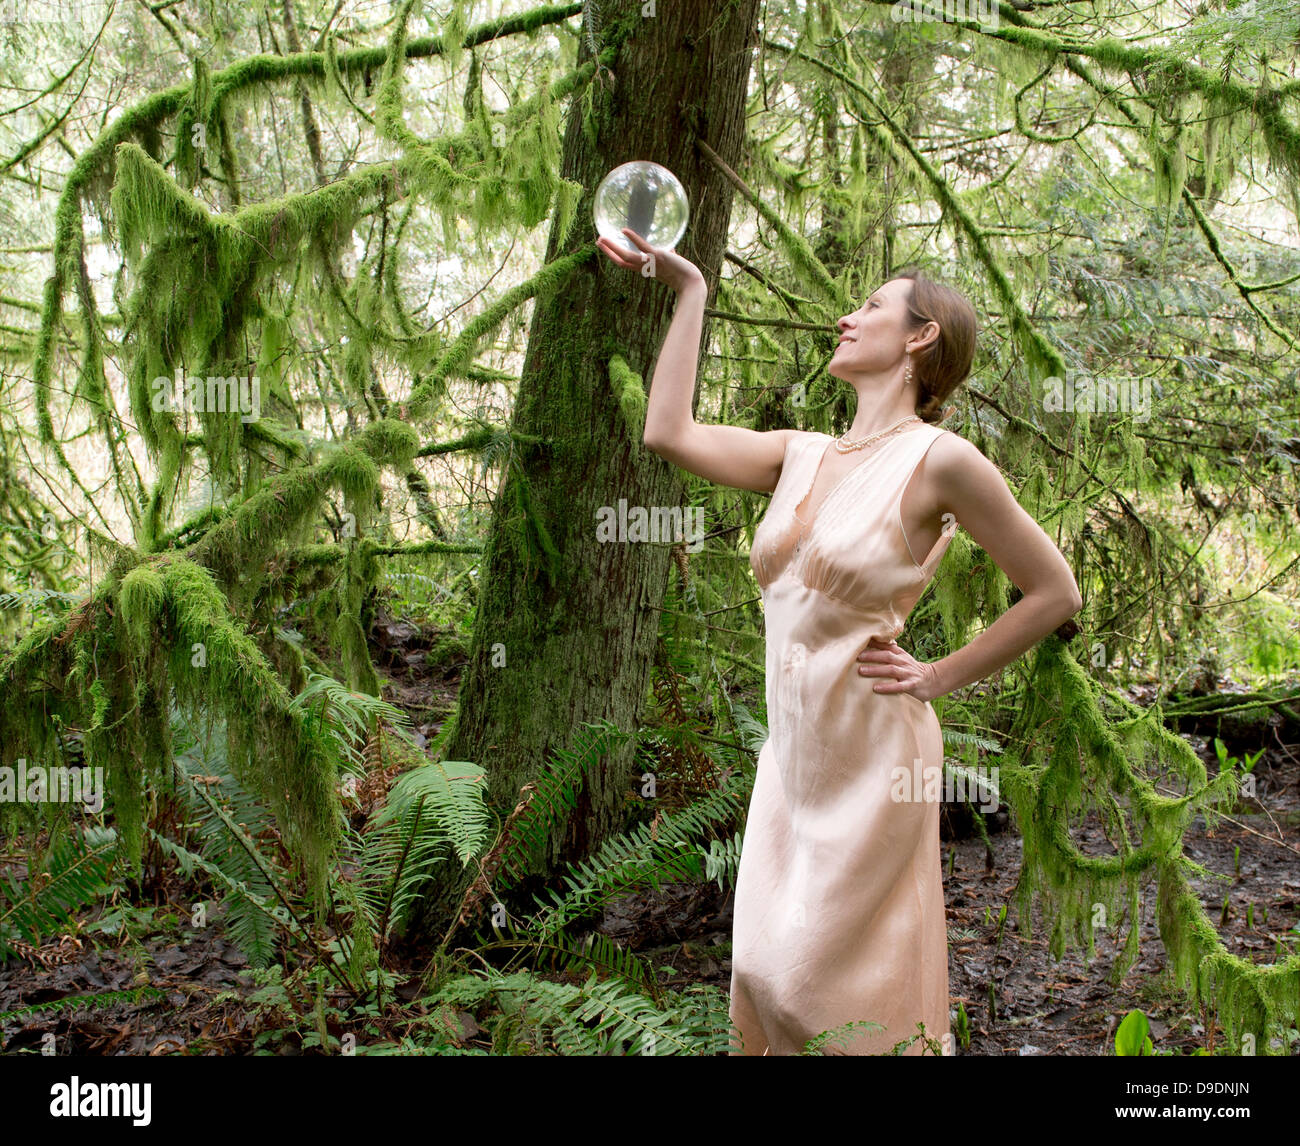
(645, 197)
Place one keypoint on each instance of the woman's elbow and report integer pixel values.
(1074, 600)
(1063, 601)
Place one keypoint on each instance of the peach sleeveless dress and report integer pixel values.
(839, 908)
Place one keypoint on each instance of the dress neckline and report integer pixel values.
(831, 439)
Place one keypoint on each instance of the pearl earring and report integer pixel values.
(907, 376)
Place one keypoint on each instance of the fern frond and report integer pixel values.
(31, 598)
(608, 1017)
(255, 942)
(557, 789)
(956, 736)
(438, 806)
(670, 848)
(77, 871)
(346, 718)
(227, 825)
(722, 860)
(749, 728)
(596, 951)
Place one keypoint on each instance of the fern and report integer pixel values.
(602, 1018)
(435, 807)
(254, 941)
(408, 1046)
(227, 825)
(722, 860)
(971, 739)
(77, 871)
(598, 952)
(347, 718)
(838, 1038)
(646, 855)
(631, 1013)
(751, 731)
(557, 788)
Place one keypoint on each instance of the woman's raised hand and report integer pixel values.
(659, 262)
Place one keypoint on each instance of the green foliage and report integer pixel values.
(1132, 1035)
(434, 812)
(142, 596)
(1047, 788)
(347, 718)
(674, 847)
(271, 744)
(598, 1017)
(227, 821)
(1136, 150)
(74, 874)
(558, 784)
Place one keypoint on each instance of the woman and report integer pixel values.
(839, 909)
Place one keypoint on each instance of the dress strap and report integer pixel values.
(926, 437)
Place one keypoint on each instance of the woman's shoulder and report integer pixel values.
(796, 447)
(799, 439)
(954, 456)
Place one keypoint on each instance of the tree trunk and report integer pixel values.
(550, 653)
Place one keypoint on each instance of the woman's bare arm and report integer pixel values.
(973, 489)
(729, 455)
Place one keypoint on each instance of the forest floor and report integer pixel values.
(136, 979)
(1018, 1000)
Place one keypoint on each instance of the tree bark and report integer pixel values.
(579, 647)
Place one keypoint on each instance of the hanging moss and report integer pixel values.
(631, 395)
(214, 663)
(1261, 1001)
(360, 573)
(1063, 724)
(141, 601)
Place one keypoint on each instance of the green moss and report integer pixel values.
(1064, 724)
(141, 599)
(352, 470)
(389, 442)
(214, 663)
(630, 391)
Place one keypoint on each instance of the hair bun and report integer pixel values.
(932, 411)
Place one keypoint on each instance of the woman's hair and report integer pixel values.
(938, 369)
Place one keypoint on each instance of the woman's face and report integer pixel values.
(873, 338)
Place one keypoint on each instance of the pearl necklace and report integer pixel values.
(844, 446)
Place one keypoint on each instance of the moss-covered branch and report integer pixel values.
(456, 357)
(1077, 758)
(1044, 359)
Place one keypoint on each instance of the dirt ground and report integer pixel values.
(1017, 998)
(190, 991)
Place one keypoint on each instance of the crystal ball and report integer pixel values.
(645, 197)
